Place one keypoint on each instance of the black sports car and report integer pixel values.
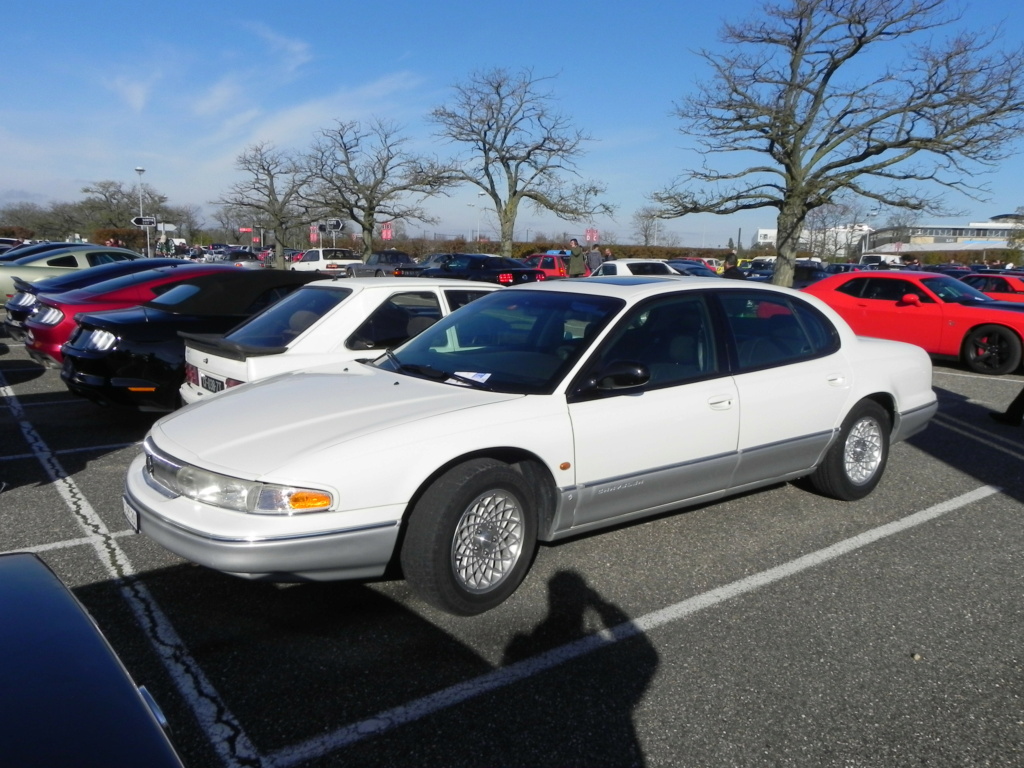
(135, 357)
(67, 697)
(23, 303)
(485, 268)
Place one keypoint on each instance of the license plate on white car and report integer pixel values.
(131, 515)
(211, 384)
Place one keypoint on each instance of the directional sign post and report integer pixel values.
(144, 221)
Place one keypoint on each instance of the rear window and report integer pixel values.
(289, 317)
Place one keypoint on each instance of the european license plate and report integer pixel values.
(212, 384)
(131, 516)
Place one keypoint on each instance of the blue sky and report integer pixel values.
(91, 91)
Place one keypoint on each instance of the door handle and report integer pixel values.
(720, 402)
(835, 379)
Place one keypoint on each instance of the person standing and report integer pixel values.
(594, 259)
(1014, 413)
(732, 269)
(608, 255)
(577, 263)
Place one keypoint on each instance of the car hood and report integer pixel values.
(304, 413)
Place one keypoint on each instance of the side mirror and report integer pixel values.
(619, 375)
(910, 299)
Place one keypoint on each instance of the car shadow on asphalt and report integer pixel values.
(295, 663)
(963, 436)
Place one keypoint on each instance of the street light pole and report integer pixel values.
(141, 171)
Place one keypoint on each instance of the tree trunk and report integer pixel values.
(787, 241)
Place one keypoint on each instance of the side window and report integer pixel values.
(401, 316)
(605, 269)
(852, 287)
(309, 256)
(883, 289)
(62, 261)
(771, 330)
(672, 337)
(457, 298)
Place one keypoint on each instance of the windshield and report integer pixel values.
(953, 291)
(517, 341)
(281, 322)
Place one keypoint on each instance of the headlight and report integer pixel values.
(47, 315)
(231, 492)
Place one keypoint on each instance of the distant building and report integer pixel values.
(993, 233)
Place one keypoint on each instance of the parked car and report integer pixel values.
(553, 265)
(996, 286)
(324, 322)
(54, 319)
(135, 357)
(691, 268)
(67, 698)
(416, 269)
(943, 315)
(39, 266)
(380, 264)
(243, 259)
(27, 249)
(635, 267)
(485, 268)
(807, 272)
(536, 412)
(325, 259)
(25, 300)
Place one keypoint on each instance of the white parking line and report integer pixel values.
(505, 676)
(221, 727)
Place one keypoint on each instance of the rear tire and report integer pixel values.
(471, 537)
(992, 349)
(855, 463)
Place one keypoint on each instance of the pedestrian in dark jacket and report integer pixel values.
(732, 269)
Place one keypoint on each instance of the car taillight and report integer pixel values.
(191, 374)
(232, 383)
(505, 278)
(542, 276)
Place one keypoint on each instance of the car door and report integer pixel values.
(673, 438)
(793, 383)
(879, 309)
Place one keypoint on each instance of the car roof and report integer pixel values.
(636, 287)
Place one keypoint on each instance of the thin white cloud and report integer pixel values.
(131, 90)
(293, 53)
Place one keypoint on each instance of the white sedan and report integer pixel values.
(635, 267)
(532, 414)
(324, 322)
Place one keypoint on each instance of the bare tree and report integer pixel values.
(366, 174)
(517, 148)
(269, 195)
(645, 225)
(792, 89)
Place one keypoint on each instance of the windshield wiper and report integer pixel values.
(429, 372)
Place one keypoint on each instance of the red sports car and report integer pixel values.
(553, 265)
(945, 316)
(1001, 287)
(53, 321)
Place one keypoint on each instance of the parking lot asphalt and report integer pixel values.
(775, 628)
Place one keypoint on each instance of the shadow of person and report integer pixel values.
(598, 665)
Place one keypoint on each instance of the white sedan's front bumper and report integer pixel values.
(275, 554)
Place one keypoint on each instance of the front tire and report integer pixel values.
(992, 349)
(471, 538)
(855, 463)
